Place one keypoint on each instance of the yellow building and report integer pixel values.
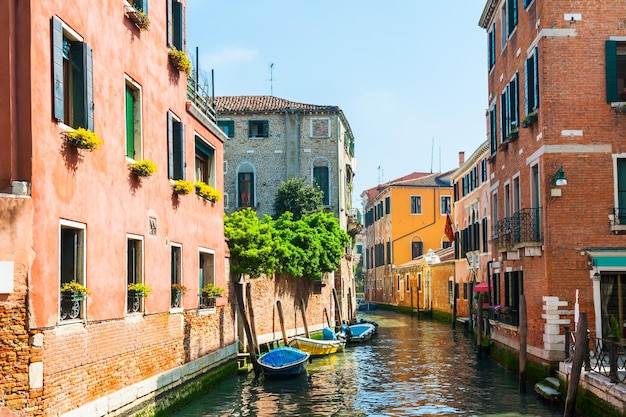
(404, 218)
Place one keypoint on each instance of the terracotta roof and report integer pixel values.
(230, 104)
(415, 179)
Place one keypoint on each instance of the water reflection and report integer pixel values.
(411, 368)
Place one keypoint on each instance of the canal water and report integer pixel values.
(411, 368)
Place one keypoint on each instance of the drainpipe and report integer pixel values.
(489, 283)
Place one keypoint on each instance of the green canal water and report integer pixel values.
(411, 368)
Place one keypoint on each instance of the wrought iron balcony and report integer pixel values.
(515, 231)
(617, 220)
(201, 99)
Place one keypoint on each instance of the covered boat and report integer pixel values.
(283, 361)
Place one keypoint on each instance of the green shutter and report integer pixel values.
(130, 123)
(266, 128)
(178, 15)
(170, 146)
(621, 188)
(611, 71)
(204, 148)
(536, 78)
(57, 68)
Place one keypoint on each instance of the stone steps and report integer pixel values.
(549, 389)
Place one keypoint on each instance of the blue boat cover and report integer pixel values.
(328, 334)
(282, 356)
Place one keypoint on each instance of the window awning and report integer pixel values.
(608, 259)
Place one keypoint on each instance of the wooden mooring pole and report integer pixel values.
(337, 305)
(580, 352)
(306, 327)
(282, 322)
(479, 326)
(252, 343)
(252, 321)
(523, 331)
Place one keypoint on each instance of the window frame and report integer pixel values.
(246, 169)
(312, 128)
(416, 204)
(202, 279)
(205, 152)
(176, 25)
(259, 126)
(175, 147)
(72, 86)
(136, 91)
(135, 274)
(79, 256)
(176, 272)
(318, 170)
(531, 82)
(227, 126)
(443, 208)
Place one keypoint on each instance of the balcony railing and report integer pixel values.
(523, 227)
(201, 99)
(605, 357)
(617, 220)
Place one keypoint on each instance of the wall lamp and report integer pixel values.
(559, 177)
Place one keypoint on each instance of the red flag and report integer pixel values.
(448, 230)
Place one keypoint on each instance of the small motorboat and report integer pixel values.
(319, 347)
(283, 361)
(360, 332)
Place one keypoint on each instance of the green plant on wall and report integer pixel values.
(212, 290)
(207, 192)
(74, 287)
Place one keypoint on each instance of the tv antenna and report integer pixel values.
(272, 79)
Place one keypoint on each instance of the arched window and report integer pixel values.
(246, 185)
(321, 177)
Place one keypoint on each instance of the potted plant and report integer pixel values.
(180, 60)
(212, 290)
(207, 192)
(139, 289)
(530, 118)
(83, 139)
(139, 18)
(183, 187)
(513, 131)
(74, 290)
(143, 168)
(178, 289)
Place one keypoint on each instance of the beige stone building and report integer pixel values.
(271, 140)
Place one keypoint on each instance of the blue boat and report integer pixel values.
(283, 361)
(360, 332)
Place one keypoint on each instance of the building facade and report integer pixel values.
(557, 161)
(271, 140)
(404, 218)
(75, 213)
(472, 210)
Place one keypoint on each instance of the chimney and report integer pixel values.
(461, 158)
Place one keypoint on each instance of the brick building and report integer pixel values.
(271, 140)
(404, 218)
(556, 76)
(472, 211)
(67, 214)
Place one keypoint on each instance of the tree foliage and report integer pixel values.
(297, 197)
(307, 247)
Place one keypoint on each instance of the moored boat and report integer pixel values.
(360, 332)
(283, 361)
(317, 347)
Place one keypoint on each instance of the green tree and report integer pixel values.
(253, 248)
(297, 197)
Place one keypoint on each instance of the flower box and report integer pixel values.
(138, 17)
(180, 61)
(83, 139)
(143, 168)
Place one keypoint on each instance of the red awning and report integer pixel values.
(482, 287)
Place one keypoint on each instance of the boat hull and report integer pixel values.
(361, 332)
(317, 347)
(283, 362)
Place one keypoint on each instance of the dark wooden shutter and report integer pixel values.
(170, 146)
(57, 68)
(611, 71)
(178, 17)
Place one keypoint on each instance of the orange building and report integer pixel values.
(76, 214)
(403, 219)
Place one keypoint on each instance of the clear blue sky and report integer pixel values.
(409, 75)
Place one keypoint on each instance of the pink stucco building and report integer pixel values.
(71, 214)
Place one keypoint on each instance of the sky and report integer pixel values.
(409, 75)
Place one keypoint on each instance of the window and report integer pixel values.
(133, 120)
(176, 274)
(504, 33)
(321, 178)
(615, 57)
(227, 126)
(245, 186)
(517, 195)
(621, 190)
(407, 283)
(512, 15)
(359, 248)
(507, 200)
(134, 270)
(527, 3)
(204, 162)
(513, 288)
(494, 211)
(416, 204)
(141, 5)
(446, 202)
(72, 265)
(509, 113)
(417, 249)
(483, 170)
(485, 235)
(206, 275)
(491, 46)
(388, 252)
(531, 83)
(175, 25)
(493, 130)
(175, 147)
(388, 205)
(258, 128)
(320, 127)
(73, 77)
